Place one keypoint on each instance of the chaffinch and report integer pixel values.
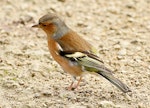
(73, 53)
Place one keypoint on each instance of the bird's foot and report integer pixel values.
(71, 87)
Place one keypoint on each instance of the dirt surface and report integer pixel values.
(119, 29)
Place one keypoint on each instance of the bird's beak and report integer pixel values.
(36, 26)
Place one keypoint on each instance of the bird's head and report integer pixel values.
(52, 24)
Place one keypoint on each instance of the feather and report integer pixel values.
(92, 63)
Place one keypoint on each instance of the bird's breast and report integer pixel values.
(67, 65)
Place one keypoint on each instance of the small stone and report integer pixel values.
(96, 38)
(28, 18)
(119, 57)
(47, 93)
(117, 46)
(138, 48)
(21, 82)
(122, 52)
(124, 44)
(128, 97)
(123, 71)
(134, 42)
(138, 60)
(62, 0)
(37, 95)
(107, 104)
(76, 106)
(36, 66)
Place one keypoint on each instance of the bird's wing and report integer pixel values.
(90, 61)
(91, 55)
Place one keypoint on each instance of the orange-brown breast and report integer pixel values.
(63, 62)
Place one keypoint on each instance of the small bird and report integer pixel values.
(74, 54)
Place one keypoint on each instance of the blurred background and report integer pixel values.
(119, 30)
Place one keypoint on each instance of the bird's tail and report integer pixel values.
(115, 81)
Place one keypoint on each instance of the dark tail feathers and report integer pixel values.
(115, 81)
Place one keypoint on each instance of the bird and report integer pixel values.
(73, 53)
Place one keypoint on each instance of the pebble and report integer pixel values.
(107, 104)
(37, 95)
(119, 57)
(117, 46)
(76, 106)
(47, 93)
(35, 66)
(124, 44)
(122, 52)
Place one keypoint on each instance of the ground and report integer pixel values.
(119, 30)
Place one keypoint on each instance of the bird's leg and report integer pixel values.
(75, 87)
(71, 86)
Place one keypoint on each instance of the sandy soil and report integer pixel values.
(119, 29)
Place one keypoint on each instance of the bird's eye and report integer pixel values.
(44, 25)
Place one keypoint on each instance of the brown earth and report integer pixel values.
(119, 29)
